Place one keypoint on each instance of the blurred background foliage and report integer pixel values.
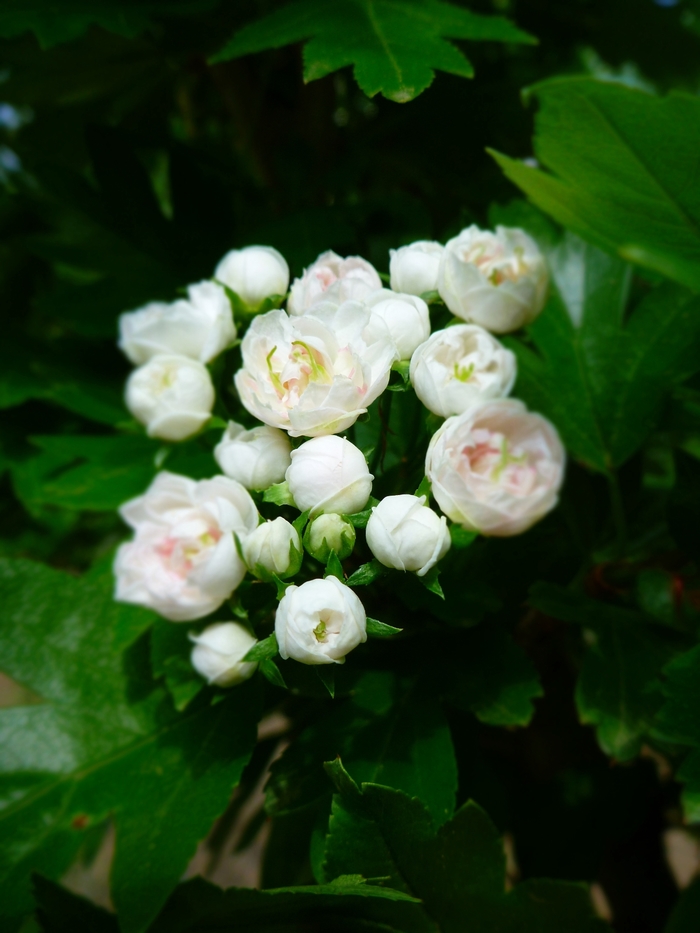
(129, 164)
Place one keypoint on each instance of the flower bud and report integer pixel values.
(327, 533)
(254, 273)
(171, 395)
(274, 547)
(405, 317)
(496, 468)
(182, 560)
(459, 367)
(219, 651)
(497, 280)
(402, 532)
(414, 268)
(257, 458)
(332, 278)
(329, 474)
(319, 622)
(199, 327)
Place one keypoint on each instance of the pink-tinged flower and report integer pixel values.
(315, 374)
(496, 468)
(497, 280)
(183, 561)
(332, 278)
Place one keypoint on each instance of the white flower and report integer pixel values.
(319, 622)
(183, 561)
(496, 468)
(171, 395)
(274, 547)
(414, 268)
(406, 318)
(329, 474)
(459, 367)
(329, 532)
(314, 374)
(332, 278)
(219, 651)
(498, 280)
(257, 458)
(402, 532)
(199, 327)
(254, 273)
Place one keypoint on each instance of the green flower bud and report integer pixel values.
(329, 532)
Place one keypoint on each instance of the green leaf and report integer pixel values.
(326, 674)
(388, 732)
(599, 376)
(376, 629)
(457, 869)
(334, 568)
(394, 45)
(271, 672)
(678, 721)
(279, 494)
(104, 740)
(170, 659)
(197, 906)
(617, 155)
(431, 582)
(367, 574)
(492, 678)
(53, 25)
(619, 685)
(264, 650)
(85, 472)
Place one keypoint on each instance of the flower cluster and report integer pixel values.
(306, 375)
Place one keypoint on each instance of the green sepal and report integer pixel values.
(424, 489)
(367, 573)
(242, 310)
(326, 675)
(334, 568)
(279, 494)
(430, 582)
(360, 519)
(300, 523)
(462, 537)
(376, 629)
(402, 367)
(280, 584)
(269, 670)
(263, 650)
(216, 423)
(432, 298)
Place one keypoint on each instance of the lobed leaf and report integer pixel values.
(394, 45)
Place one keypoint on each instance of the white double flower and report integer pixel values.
(333, 278)
(198, 327)
(496, 468)
(460, 366)
(183, 560)
(498, 280)
(317, 373)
